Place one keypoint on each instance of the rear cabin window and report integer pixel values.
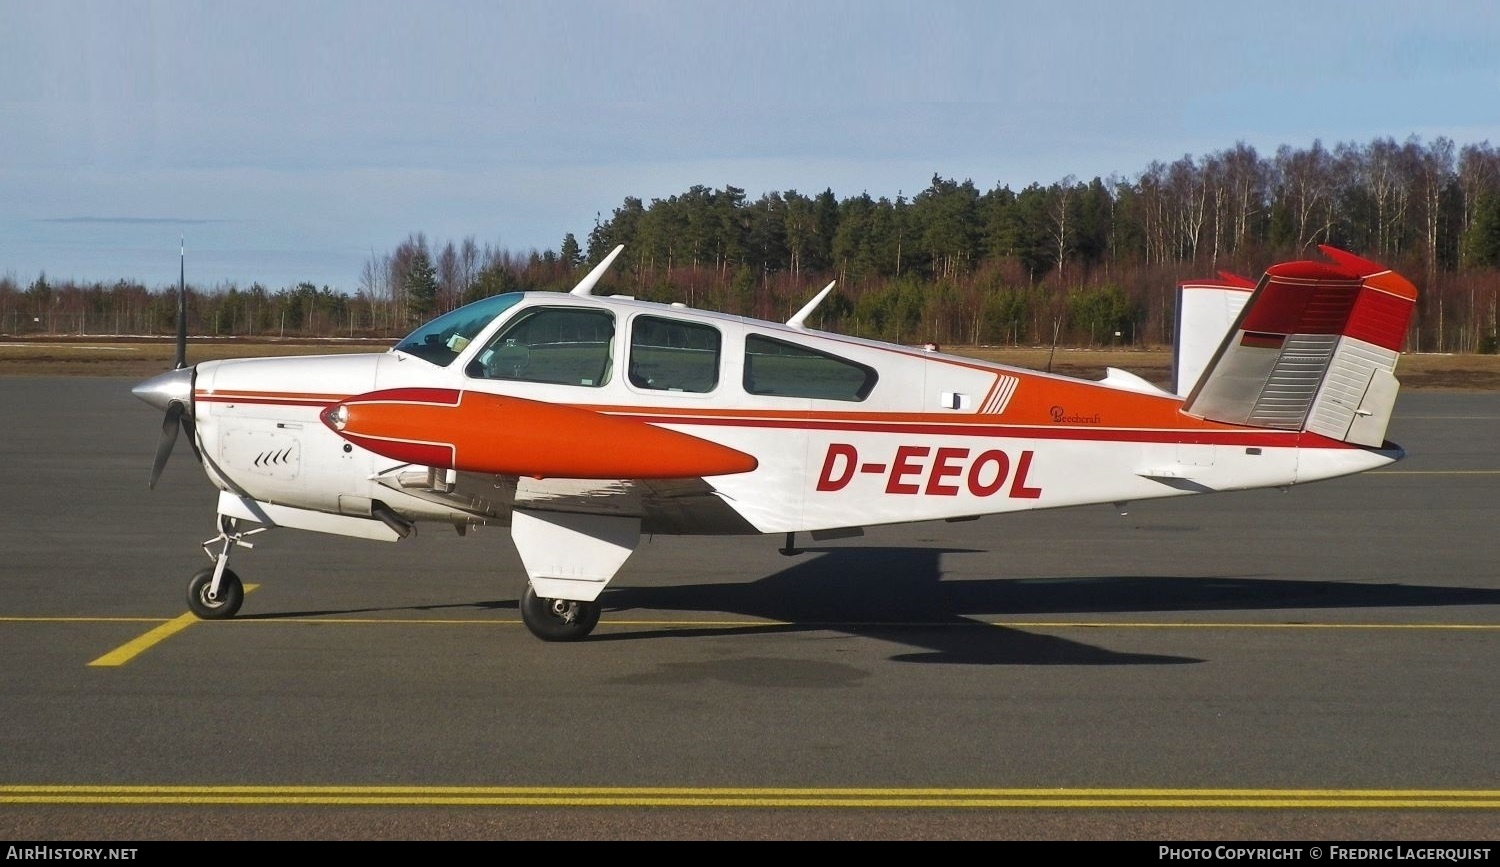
(777, 368)
(672, 355)
(560, 345)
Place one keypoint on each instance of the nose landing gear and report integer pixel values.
(216, 593)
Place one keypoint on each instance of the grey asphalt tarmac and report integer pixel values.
(1315, 665)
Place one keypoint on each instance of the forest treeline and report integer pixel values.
(1072, 262)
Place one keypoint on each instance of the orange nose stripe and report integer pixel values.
(488, 433)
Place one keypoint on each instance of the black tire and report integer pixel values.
(558, 619)
(231, 595)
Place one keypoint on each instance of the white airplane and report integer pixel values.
(582, 421)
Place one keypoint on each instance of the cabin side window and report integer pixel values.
(673, 355)
(781, 369)
(559, 345)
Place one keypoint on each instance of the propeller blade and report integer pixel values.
(181, 360)
(173, 391)
(169, 425)
(192, 431)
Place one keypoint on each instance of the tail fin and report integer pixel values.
(1314, 349)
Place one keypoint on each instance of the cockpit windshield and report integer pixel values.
(441, 340)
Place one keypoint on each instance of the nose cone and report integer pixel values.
(163, 390)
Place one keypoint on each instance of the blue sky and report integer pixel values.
(288, 141)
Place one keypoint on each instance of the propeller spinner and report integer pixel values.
(171, 392)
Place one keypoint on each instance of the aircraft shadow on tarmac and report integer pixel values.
(898, 594)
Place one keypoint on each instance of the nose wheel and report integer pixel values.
(209, 605)
(558, 619)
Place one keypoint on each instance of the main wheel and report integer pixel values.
(558, 619)
(231, 595)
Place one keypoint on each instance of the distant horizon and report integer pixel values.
(220, 260)
(290, 153)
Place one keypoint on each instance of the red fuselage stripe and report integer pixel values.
(981, 427)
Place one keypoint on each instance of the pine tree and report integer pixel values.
(570, 254)
(421, 287)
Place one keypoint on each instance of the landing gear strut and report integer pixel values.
(558, 619)
(216, 593)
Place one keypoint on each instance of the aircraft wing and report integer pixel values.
(479, 432)
(689, 506)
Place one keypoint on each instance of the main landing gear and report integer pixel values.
(558, 619)
(216, 593)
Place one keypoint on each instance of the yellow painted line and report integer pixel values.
(1039, 624)
(80, 620)
(651, 796)
(136, 646)
(965, 623)
(170, 627)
